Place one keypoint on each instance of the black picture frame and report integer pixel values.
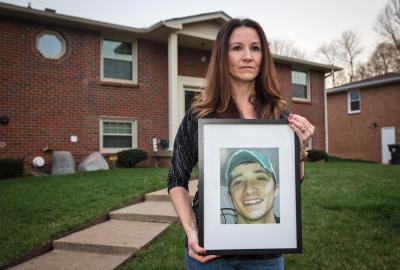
(219, 138)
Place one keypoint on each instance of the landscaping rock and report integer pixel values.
(63, 163)
(94, 162)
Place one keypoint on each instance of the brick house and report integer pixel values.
(364, 117)
(69, 83)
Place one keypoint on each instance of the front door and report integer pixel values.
(387, 137)
(190, 94)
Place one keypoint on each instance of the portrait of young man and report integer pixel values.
(249, 186)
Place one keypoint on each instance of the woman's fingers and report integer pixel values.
(299, 123)
(303, 128)
(299, 133)
(196, 251)
(200, 258)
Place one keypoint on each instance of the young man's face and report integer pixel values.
(252, 191)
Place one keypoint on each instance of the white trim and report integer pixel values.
(172, 87)
(119, 120)
(186, 81)
(59, 37)
(178, 22)
(308, 81)
(134, 59)
(349, 111)
(209, 36)
(388, 138)
(356, 85)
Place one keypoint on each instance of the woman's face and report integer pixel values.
(252, 191)
(245, 54)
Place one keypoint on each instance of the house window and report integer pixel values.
(119, 61)
(353, 103)
(50, 44)
(300, 89)
(117, 135)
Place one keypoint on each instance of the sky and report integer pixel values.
(307, 22)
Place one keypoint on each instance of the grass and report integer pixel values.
(35, 210)
(165, 253)
(351, 220)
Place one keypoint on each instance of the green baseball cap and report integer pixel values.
(246, 156)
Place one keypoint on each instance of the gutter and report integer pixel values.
(345, 88)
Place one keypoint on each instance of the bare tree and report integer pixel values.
(388, 23)
(363, 71)
(287, 47)
(330, 53)
(349, 44)
(384, 59)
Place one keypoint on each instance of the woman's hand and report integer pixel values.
(196, 251)
(302, 127)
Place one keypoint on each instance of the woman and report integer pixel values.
(241, 83)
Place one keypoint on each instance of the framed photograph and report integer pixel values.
(249, 187)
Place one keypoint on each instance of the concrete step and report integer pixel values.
(162, 195)
(112, 237)
(72, 260)
(150, 211)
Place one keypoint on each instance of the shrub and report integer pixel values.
(129, 158)
(11, 167)
(164, 143)
(317, 155)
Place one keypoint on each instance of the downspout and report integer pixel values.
(326, 111)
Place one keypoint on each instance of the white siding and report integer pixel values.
(207, 30)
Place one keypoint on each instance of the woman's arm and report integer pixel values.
(181, 200)
(184, 158)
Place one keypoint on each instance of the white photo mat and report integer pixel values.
(218, 238)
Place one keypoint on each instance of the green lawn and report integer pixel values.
(351, 220)
(36, 209)
(351, 214)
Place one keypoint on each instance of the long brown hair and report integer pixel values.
(217, 95)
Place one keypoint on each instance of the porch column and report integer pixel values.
(172, 87)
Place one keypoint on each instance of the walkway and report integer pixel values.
(108, 244)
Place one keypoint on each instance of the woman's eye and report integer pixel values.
(256, 48)
(236, 48)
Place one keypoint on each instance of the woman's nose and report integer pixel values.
(247, 54)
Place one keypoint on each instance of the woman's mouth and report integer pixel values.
(252, 202)
(247, 67)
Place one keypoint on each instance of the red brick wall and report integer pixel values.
(353, 135)
(313, 110)
(49, 100)
(190, 64)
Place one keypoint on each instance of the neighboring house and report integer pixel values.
(364, 117)
(74, 84)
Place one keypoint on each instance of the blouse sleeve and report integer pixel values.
(185, 153)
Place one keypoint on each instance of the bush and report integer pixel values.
(11, 167)
(164, 143)
(129, 158)
(317, 155)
